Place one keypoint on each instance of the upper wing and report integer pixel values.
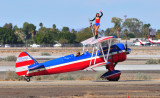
(102, 39)
(92, 40)
(87, 41)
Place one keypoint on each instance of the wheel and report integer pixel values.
(27, 79)
(114, 79)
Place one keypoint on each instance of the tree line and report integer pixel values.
(130, 28)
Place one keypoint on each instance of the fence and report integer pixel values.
(42, 45)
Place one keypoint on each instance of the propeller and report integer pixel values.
(126, 45)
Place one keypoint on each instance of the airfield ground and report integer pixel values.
(91, 88)
(80, 89)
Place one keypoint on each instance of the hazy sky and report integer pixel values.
(75, 13)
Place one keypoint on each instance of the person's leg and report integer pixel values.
(96, 31)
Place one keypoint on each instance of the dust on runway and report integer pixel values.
(89, 89)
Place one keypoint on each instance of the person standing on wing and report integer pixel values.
(97, 23)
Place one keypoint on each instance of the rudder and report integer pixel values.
(23, 61)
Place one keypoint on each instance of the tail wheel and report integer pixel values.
(114, 79)
(27, 79)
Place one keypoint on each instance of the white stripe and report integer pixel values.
(23, 68)
(24, 58)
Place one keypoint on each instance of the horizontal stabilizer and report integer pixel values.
(34, 67)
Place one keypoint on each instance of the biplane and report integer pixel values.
(103, 53)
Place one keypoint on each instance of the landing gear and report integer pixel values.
(27, 79)
(115, 64)
(114, 79)
(112, 74)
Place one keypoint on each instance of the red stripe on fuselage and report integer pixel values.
(24, 63)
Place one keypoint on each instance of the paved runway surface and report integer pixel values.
(85, 89)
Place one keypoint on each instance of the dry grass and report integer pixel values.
(12, 76)
(95, 76)
(142, 76)
(11, 58)
(45, 54)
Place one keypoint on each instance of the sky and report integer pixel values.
(76, 13)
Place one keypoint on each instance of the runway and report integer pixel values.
(80, 89)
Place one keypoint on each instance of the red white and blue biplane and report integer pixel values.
(105, 53)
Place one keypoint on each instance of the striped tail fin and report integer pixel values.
(23, 61)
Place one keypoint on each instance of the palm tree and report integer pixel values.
(117, 24)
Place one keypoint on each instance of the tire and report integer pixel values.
(27, 79)
(114, 79)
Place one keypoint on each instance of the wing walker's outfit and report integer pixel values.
(97, 21)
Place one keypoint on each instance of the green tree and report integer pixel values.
(131, 35)
(65, 30)
(41, 24)
(73, 31)
(83, 35)
(133, 25)
(8, 26)
(15, 28)
(117, 25)
(158, 34)
(54, 27)
(68, 36)
(41, 38)
(145, 30)
(7, 36)
(63, 41)
(29, 30)
(110, 32)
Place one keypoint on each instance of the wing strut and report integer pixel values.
(109, 45)
(96, 55)
(91, 57)
(103, 52)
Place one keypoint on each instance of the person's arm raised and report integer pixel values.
(101, 13)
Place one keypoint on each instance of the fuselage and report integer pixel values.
(72, 63)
